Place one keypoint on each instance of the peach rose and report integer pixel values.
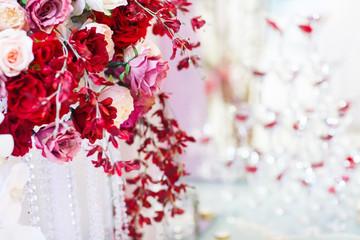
(122, 101)
(12, 15)
(15, 52)
(103, 29)
(154, 51)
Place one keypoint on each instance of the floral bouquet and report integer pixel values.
(83, 71)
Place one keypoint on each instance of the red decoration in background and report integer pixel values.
(273, 25)
(251, 169)
(306, 29)
(344, 108)
(332, 190)
(318, 165)
(258, 73)
(350, 163)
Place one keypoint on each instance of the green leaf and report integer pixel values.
(122, 76)
(136, 54)
(94, 16)
(115, 64)
(111, 78)
(36, 67)
(126, 72)
(127, 69)
(24, 2)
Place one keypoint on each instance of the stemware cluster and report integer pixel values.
(293, 140)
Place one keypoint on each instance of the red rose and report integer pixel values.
(91, 46)
(129, 24)
(49, 62)
(48, 52)
(21, 130)
(45, 48)
(29, 97)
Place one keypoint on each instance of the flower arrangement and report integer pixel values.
(84, 70)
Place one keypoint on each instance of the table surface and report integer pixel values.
(237, 213)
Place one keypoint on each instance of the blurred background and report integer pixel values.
(275, 111)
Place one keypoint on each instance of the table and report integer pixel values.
(244, 218)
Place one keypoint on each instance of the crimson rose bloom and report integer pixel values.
(28, 98)
(21, 130)
(91, 46)
(45, 48)
(48, 52)
(48, 64)
(129, 24)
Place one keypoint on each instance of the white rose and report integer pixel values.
(105, 5)
(15, 52)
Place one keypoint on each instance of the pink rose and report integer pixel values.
(63, 148)
(147, 73)
(12, 15)
(47, 14)
(15, 52)
(103, 29)
(122, 101)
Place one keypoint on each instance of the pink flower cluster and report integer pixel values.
(84, 72)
